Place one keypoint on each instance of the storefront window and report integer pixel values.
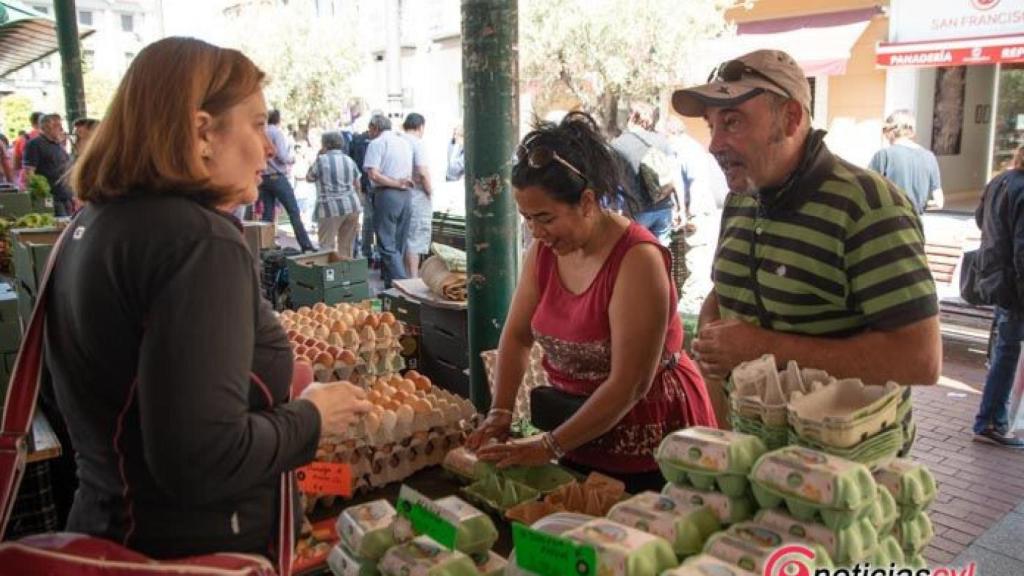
(1009, 116)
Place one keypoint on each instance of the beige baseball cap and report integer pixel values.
(736, 81)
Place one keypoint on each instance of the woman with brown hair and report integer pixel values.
(172, 373)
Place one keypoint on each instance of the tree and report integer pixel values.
(606, 53)
(310, 62)
(99, 92)
(16, 109)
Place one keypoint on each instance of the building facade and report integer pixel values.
(123, 28)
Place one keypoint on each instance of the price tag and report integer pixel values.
(550, 555)
(425, 517)
(325, 478)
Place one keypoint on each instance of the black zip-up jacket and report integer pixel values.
(155, 327)
(1001, 255)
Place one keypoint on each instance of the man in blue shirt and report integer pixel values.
(276, 187)
(911, 167)
(389, 166)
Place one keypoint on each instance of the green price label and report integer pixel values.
(425, 521)
(550, 555)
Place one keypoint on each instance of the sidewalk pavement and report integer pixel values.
(979, 511)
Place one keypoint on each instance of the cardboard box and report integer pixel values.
(32, 248)
(259, 236)
(326, 270)
(8, 304)
(10, 338)
(303, 295)
(16, 205)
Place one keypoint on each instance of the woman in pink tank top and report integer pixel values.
(596, 293)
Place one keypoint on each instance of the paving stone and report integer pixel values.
(987, 562)
(1005, 537)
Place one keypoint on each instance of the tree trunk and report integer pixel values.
(610, 110)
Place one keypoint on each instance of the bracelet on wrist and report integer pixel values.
(552, 445)
(504, 411)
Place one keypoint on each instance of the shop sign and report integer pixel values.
(953, 19)
(960, 54)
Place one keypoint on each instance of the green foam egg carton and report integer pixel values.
(709, 459)
(845, 546)
(729, 510)
(425, 557)
(915, 561)
(884, 513)
(888, 552)
(705, 565)
(474, 531)
(812, 483)
(489, 563)
(498, 493)
(914, 534)
(911, 484)
(686, 527)
(367, 529)
(342, 562)
(710, 450)
(543, 479)
(624, 551)
(749, 545)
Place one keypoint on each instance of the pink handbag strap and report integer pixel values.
(20, 405)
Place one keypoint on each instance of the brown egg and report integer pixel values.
(348, 357)
(319, 307)
(322, 332)
(374, 396)
(321, 345)
(312, 353)
(310, 341)
(334, 351)
(412, 374)
(395, 380)
(324, 359)
(372, 321)
(388, 318)
(304, 311)
(423, 383)
(400, 396)
(390, 405)
(407, 386)
(339, 326)
(292, 334)
(300, 350)
(303, 360)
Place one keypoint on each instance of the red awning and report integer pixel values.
(958, 52)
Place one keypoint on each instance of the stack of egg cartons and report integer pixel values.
(533, 377)
(706, 466)
(913, 489)
(832, 502)
(850, 420)
(367, 531)
(759, 394)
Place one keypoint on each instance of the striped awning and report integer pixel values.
(26, 35)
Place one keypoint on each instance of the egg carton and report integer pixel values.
(873, 452)
(749, 545)
(424, 556)
(727, 509)
(342, 562)
(490, 563)
(845, 413)
(685, 526)
(845, 546)
(624, 551)
(914, 533)
(812, 483)
(888, 552)
(774, 437)
(367, 530)
(711, 450)
(707, 565)
(910, 483)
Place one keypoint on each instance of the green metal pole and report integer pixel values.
(490, 76)
(70, 59)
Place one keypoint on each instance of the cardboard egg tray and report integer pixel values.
(533, 377)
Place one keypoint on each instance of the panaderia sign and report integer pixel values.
(953, 33)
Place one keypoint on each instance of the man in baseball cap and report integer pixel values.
(819, 261)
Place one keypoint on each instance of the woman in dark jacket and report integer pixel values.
(172, 373)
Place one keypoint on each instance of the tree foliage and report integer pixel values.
(16, 109)
(310, 62)
(605, 53)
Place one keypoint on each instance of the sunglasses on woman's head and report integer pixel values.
(540, 156)
(733, 70)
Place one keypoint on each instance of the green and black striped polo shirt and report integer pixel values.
(837, 252)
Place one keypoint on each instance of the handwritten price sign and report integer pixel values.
(325, 479)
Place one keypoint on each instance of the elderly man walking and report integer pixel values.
(389, 165)
(275, 186)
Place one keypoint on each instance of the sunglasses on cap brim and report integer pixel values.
(733, 71)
